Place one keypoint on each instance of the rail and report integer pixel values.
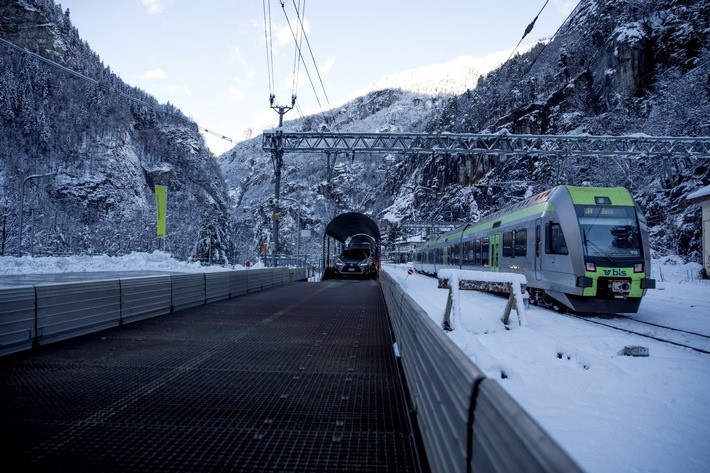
(44, 313)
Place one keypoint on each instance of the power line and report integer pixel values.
(269, 47)
(527, 31)
(97, 83)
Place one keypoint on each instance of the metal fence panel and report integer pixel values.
(259, 279)
(17, 319)
(507, 439)
(440, 377)
(69, 310)
(238, 283)
(498, 436)
(188, 290)
(217, 286)
(144, 297)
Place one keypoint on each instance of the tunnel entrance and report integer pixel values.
(351, 230)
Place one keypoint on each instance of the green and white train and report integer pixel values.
(583, 247)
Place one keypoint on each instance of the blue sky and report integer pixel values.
(209, 58)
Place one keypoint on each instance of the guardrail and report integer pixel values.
(44, 313)
(467, 421)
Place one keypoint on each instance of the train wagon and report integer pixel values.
(584, 248)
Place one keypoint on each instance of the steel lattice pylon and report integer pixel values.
(492, 144)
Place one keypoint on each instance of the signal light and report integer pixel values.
(590, 267)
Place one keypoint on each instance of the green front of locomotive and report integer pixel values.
(615, 249)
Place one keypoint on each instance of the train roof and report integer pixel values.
(538, 203)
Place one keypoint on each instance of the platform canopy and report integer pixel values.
(354, 225)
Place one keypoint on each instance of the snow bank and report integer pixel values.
(610, 412)
(155, 261)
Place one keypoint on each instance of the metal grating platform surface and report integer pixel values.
(295, 379)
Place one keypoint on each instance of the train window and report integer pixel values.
(456, 254)
(467, 259)
(484, 251)
(477, 252)
(555, 242)
(520, 241)
(508, 245)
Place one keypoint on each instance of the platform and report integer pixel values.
(291, 379)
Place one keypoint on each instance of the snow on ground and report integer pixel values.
(155, 261)
(609, 411)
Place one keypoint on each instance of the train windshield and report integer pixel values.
(608, 231)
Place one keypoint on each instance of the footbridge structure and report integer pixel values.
(503, 143)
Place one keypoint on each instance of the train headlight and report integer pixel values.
(591, 267)
(638, 268)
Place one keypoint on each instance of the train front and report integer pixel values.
(615, 250)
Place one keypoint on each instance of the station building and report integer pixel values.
(702, 196)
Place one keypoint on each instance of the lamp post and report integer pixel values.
(298, 225)
(22, 205)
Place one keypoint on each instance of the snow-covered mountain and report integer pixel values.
(616, 67)
(454, 77)
(106, 145)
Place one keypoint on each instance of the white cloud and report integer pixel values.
(236, 55)
(236, 94)
(325, 68)
(155, 6)
(156, 73)
(179, 89)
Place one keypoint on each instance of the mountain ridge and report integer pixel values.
(616, 67)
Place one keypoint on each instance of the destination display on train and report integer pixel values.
(596, 211)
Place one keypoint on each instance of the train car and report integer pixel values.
(585, 248)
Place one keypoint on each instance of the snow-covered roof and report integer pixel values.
(700, 194)
(348, 224)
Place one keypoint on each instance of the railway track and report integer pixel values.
(674, 336)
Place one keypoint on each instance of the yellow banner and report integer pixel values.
(161, 201)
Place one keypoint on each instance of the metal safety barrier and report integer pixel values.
(43, 313)
(467, 421)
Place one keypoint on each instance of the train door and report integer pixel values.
(495, 252)
(538, 248)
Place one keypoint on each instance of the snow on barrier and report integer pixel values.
(456, 279)
(468, 422)
(44, 313)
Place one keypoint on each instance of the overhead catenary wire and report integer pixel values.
(299, 36)
(310, 50)
(527, 30)
(300, 55)
(552, 37)
(95, 82)
(299, 43)
(269, 46)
